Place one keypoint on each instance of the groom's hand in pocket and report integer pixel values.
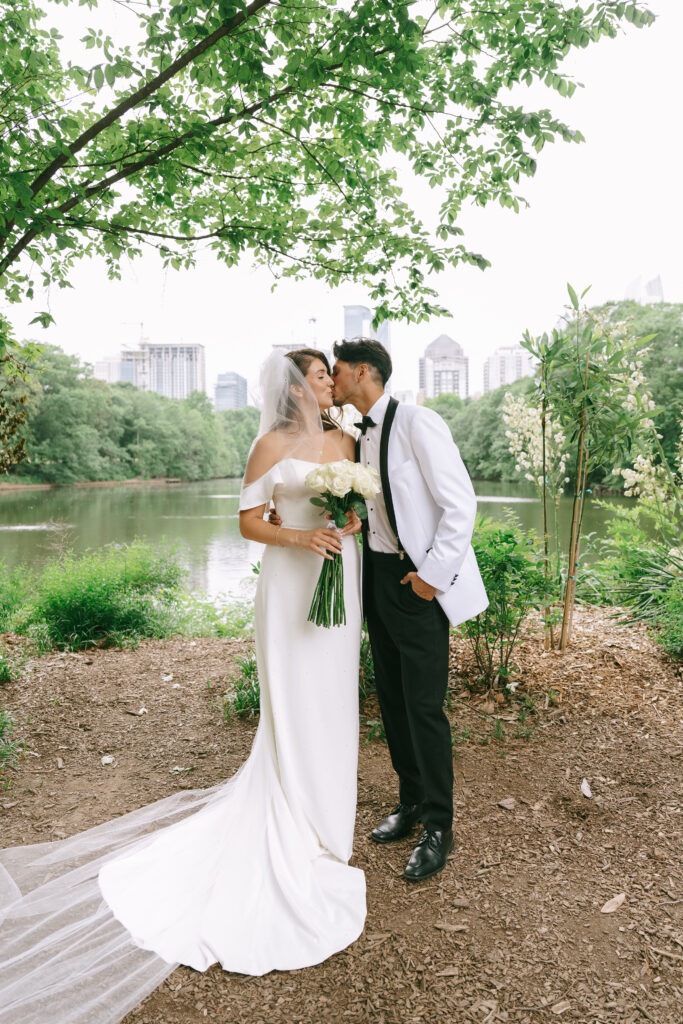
(422, 589)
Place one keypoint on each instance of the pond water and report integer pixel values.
(201, 517)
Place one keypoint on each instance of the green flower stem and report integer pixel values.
(327, 607)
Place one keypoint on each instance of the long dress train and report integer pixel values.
(252, 873)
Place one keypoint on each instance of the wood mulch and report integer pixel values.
(512, 929)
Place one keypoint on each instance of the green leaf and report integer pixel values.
(44, 319)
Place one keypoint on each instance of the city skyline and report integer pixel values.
(506, 363)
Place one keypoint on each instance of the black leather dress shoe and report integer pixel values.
(398, 824)
(430, 854)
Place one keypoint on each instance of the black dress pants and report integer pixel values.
(409, 640)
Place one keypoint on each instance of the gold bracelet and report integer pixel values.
(277, 534)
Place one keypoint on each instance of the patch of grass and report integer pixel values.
(15, 589)
(199, 615)
(10, 669)
(459, 736)
(366, 675)
(375, 731)
(9, 748)
(244, 699)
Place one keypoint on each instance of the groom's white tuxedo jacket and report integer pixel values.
(435, 507)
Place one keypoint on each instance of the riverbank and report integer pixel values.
(512, 930)
(12, 488)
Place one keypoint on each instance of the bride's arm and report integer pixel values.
(321, 540)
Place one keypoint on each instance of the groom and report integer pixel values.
(419, 573)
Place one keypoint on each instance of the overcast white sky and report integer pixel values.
(601, 214)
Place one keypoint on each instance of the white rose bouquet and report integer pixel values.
(341, 487)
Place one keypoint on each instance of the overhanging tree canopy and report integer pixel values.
(271, 128)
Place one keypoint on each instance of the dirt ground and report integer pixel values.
(512, 929)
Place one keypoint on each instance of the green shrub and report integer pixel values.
(511, 565)
(670, 625)
(113, 596)
(640, 571)
(635, 567)
(15, 587)
(244, 699)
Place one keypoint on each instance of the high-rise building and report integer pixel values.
(407, 397)
(135, 368)
(289, 346)
(444, 369)
(508, 363)
(175, 370)
(358, 324)
(231, 391)
(644, 291)
(108, 370)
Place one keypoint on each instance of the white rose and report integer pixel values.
(316, 481)
(366, 481)
(339, 486)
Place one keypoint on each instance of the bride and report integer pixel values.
(252, 873)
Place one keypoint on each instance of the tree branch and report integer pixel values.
(154, 84)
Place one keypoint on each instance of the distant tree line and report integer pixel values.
(78, 428)
(479, 430)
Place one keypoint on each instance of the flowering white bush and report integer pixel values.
(637, 397)
(653, 481)
(645, 480)
(525, 441)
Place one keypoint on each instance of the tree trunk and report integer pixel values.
(575, 536)
(549, 639)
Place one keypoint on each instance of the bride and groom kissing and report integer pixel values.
(409, 593)
(254, 873)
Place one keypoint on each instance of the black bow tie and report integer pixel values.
(366, 422)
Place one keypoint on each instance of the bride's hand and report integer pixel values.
(322, 540)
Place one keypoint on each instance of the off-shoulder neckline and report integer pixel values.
(290, 458)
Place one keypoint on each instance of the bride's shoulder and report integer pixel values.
(348, 444)
(267, 451)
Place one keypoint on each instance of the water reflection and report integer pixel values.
(201, 519)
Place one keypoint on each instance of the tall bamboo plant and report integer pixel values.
(587, 372)
(539, 447)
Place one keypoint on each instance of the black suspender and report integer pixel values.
(383, 468)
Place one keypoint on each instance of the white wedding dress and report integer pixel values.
(252, 873)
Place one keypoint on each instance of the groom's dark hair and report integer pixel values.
(365, 350)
